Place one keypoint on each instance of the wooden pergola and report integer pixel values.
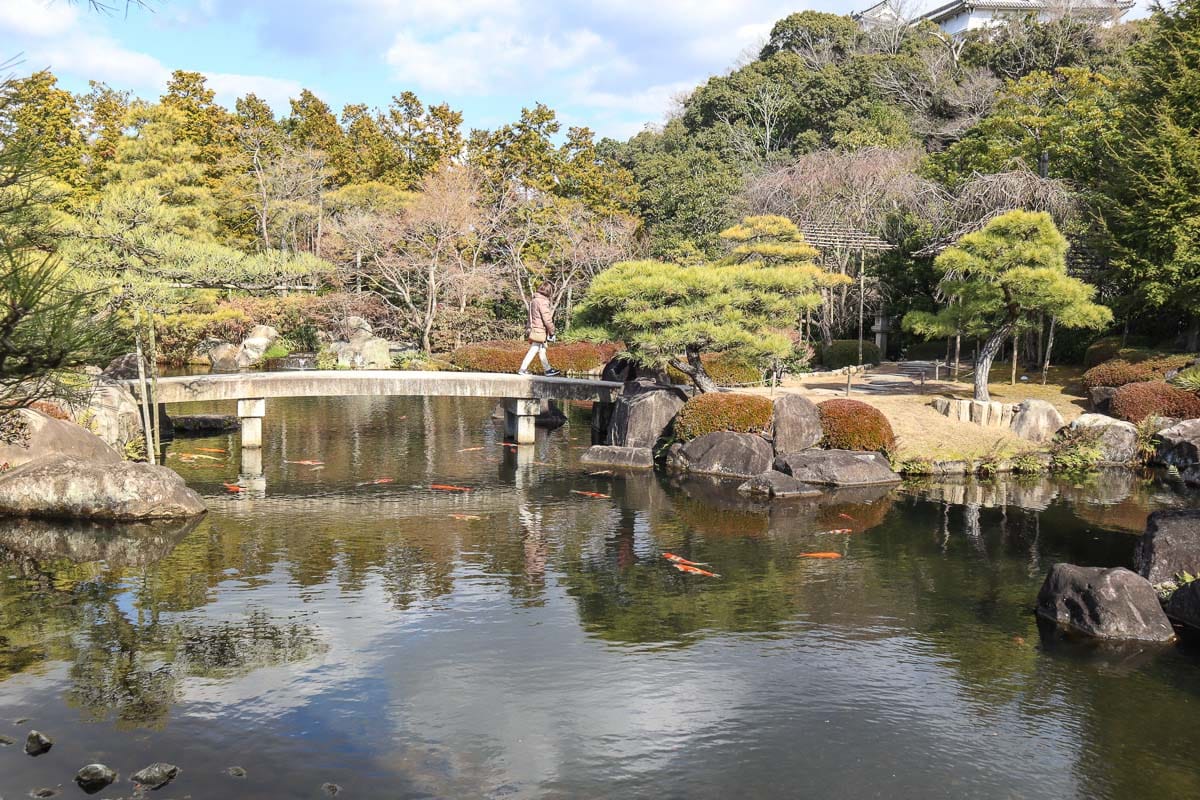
(840, 238)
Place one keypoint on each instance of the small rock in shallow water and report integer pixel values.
(236, 772)
(156, 775)
(21, 721)
(37, 743)
(331, 789)
(44, 792)
(95, 777)
(7, 742)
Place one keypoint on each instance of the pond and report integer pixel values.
(524, 640)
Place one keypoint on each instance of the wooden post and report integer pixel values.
(153, 364)
(862, 297)
(147, 436)
(849, 374)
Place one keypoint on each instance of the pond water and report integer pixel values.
(523, 640)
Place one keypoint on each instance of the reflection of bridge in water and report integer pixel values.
(522, 395)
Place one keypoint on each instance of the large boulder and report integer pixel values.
(1170, 545)
(363, 353)
(354, 328)
(1179, 445)
(110, 411)
(1036, 420)
(837, 468)
(797, 424)
(773, 483)
(624, 457)
(1118, 439)
(255, 345)
(224, 357)
(1191, 475)
(644, 413)
(1184, 605)
(59, 486)
(724, 454)
(32, 435)
(123, 368)
(1104, 603)
(1100, 398)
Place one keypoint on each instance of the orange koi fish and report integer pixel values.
(847, 516)
(186, 456)
(836, 530)
(465, 517)
(233, 487)
(820, 555)
(596, 495)
(472, 449)
(211, 450)
(690, 570)
(674, 559)
(446, 487)
(308, 462)
(379, 481)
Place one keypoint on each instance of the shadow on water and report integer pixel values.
(522, 635)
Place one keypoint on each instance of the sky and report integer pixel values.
(614, 66)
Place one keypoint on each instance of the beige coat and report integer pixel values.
(541, 317)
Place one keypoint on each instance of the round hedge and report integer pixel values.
(506, 355)
(1122, 371)
(724, 368)
(854, 425)
(1136, 401)
(722, 411)
(1110, 347)
(844, 353)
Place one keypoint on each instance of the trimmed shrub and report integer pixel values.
(854, 425)
(505, 356)
(1122, 371)
(1136, 401)
(722, 411)
(844, 353)
(179, 335)
(724, 368)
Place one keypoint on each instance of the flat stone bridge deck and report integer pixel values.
(522, 394)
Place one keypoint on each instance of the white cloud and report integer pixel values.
(230, 86)
(36, 18)
(102, 59)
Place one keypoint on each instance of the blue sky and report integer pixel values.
(613, 65)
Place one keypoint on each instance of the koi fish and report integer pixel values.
(597, 495)
(690, 570)
(465, 517)
(379, 481)
(319, 466)
(674, 559)
(847, 516)
(820, 555)
(308, 462)
(835, 530)
(211, 450)
(604, 473)
(186, 456)
(446, 487)
(233, 487)
(471, 449)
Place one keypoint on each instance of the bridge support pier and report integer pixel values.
(250, 413)
(520, 419)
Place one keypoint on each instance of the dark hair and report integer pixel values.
(545, 289)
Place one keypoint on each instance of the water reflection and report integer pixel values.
(519, 639)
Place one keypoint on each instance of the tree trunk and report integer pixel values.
(957, 354)
(1193, 335)
(1049, 349)
(986, 355)
(694, 369)
(1016, 346)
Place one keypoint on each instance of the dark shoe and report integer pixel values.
(550, 373)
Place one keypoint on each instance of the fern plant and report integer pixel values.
(1188, 379)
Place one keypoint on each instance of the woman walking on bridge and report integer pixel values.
(541, 330)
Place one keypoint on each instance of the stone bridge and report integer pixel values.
(522, 394)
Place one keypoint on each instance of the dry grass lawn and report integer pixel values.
(924, 433)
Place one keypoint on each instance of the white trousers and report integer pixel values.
(536, 349)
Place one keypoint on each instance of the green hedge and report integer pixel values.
(725, 369)
(844, 353)
(854, 425)
(722, 411)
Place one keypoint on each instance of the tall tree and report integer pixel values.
(41, 118)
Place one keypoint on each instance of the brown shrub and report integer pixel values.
(725, 369)
(722, 411)
(1120, 371)
(505, 356)
(1136, 401)
(854, 425)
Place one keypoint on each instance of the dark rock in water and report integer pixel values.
(551, 417)
(626, 457)
(644, 413)
(1184, 605)
(1191, 475)
(6, 741)
(37, 743)
(1100, 398)
(620, 369)
(724, 454)
(797, 424)
(236, 772)
(156, 775)
(837, 468)
(1170, 546)
(1105, 603)
(95, 777)
(331, 789)
(1179, 445)
(45, 792)
(60, 487)
(777, 484)
(601, 421)
(204, 424)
